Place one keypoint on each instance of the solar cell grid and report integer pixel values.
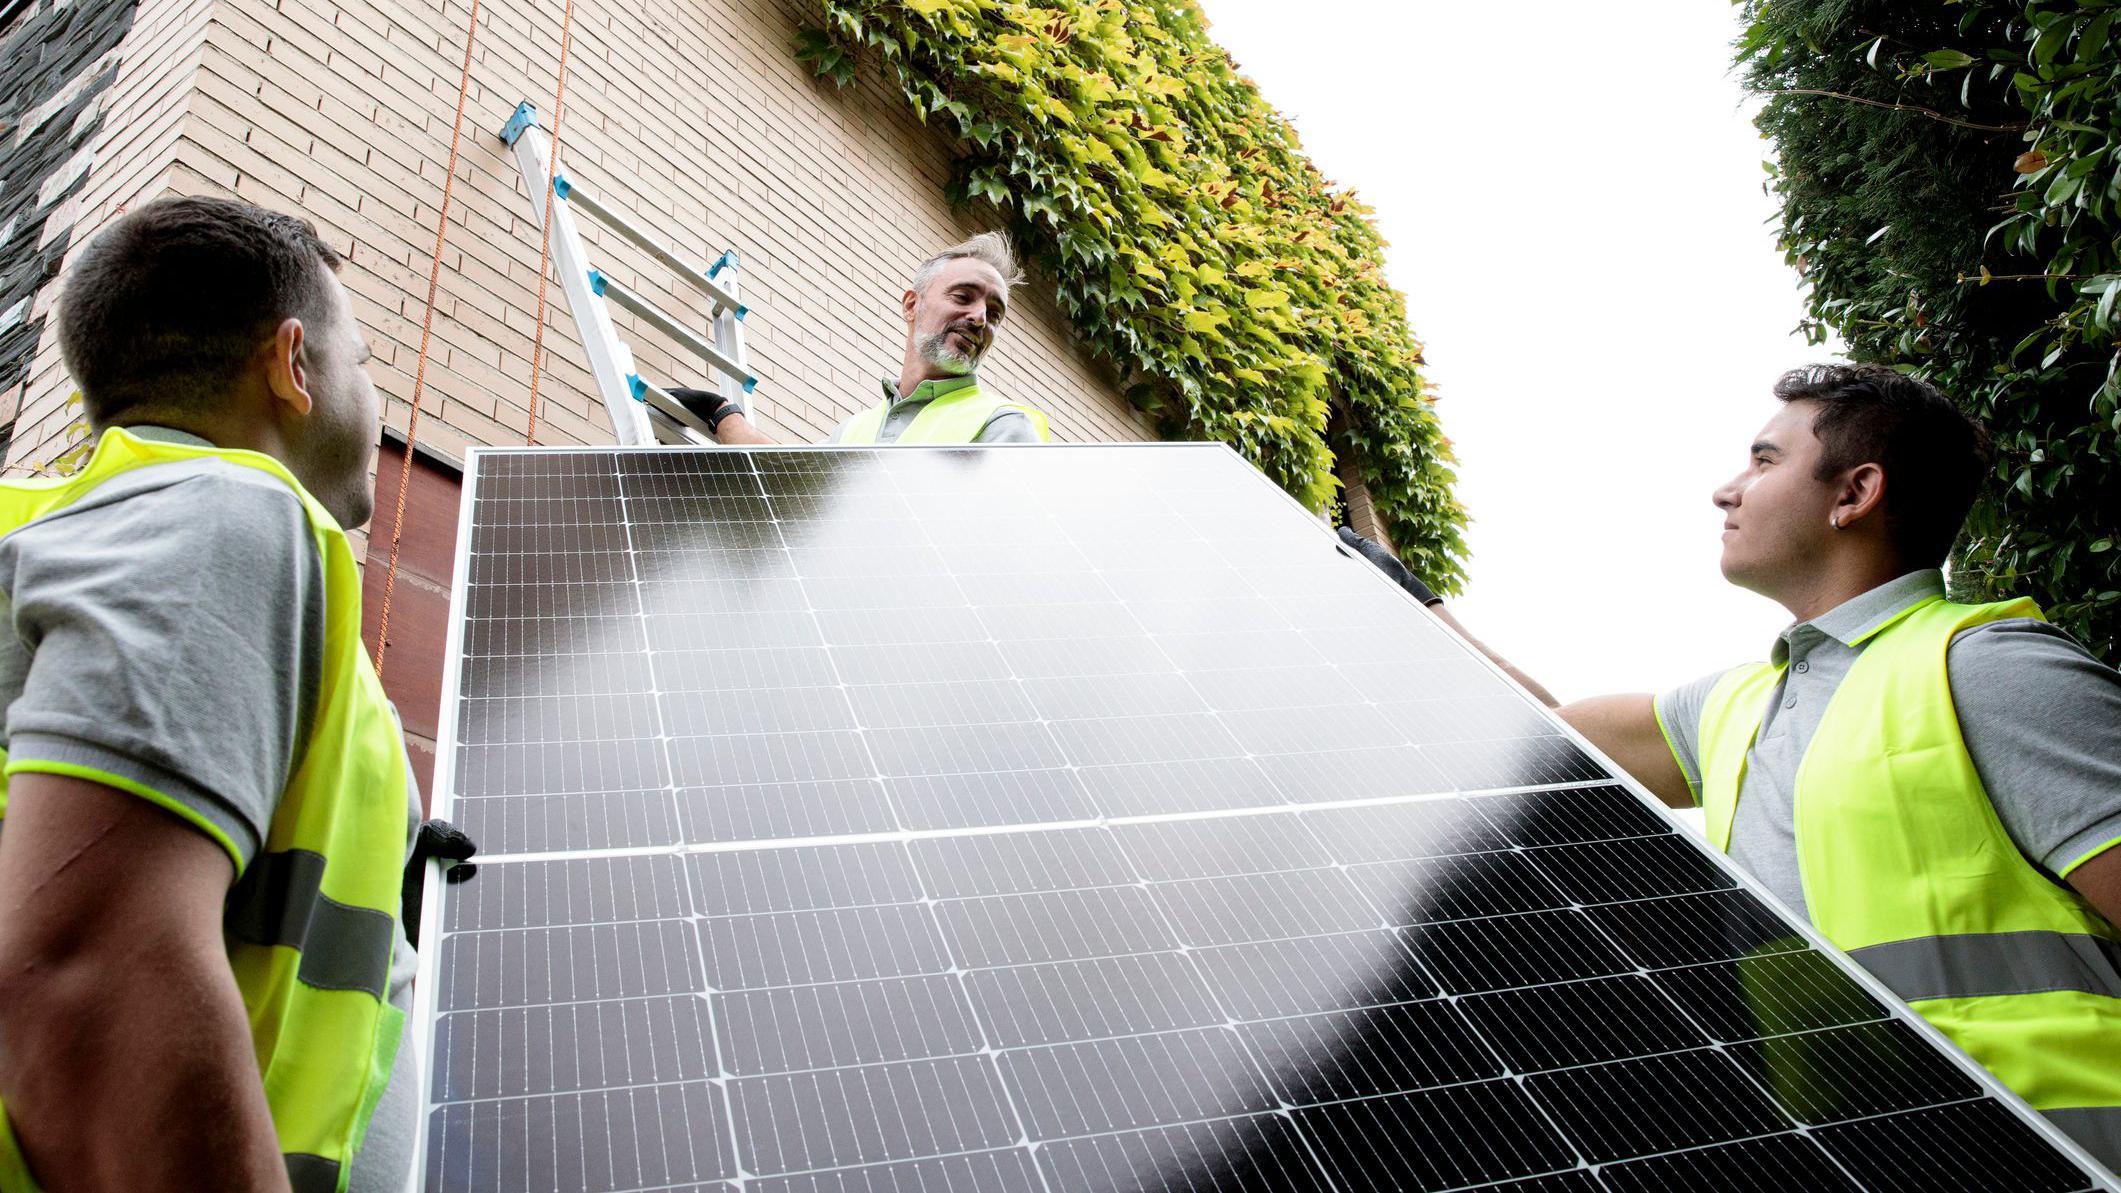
(1076, 819)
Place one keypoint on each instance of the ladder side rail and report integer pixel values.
(610, 361)
(724, 298)
(608, 287)
(729, 333)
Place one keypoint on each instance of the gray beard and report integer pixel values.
(936, 350)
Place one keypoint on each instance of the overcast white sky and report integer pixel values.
(1572, 196)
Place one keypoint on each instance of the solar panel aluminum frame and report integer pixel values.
(420, 1032)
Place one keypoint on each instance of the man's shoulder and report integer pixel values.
(169, 511)
(204, 487)
(2017, 642)
(2023, 675)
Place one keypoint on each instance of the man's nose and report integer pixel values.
(1726, 495)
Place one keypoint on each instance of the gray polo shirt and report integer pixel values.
(166, 636)
(1003, 426)
(2041, 718)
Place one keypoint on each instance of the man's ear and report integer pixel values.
(286, 371)
(909, 300)
(1862, 494)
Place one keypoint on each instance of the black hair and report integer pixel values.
(165, 306)
(1933, 455)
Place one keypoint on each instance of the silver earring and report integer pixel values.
(1834, 521)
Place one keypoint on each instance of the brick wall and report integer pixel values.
(122, 134)
(690, 114)
(56, 63)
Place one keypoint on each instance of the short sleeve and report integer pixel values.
(1009, 426)
(2042, 722)
(173, 623)
(1679, 718)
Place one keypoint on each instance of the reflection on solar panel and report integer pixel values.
(1082, 819)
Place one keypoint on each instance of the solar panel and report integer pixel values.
(1081, 818)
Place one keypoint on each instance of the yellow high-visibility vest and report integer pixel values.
(312, 919)
(1907, 868)
(953, 417)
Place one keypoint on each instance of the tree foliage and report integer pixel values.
(1194, 245)
(1950, 181)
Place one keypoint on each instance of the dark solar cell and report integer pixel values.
(1853, 1072)
(1972, 1146)
(1020, 863)
(1625, 1108)
(1095, 1086)
(829, 1026)
(1644, 868)
(1775, 1164)
(1504, 951)
(1383, 832)
(827, 1118)
(1772, 994)
(1690, 929)
(1086, 1000)
(1262, 1152)
(1371, 1050)
(1565, 817)
(1467, 886)
(806, 878)
(1435, 1139)
(1552, 1027)
(1319, 973)
(773, 811)
(1170, 849)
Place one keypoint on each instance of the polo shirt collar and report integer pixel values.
(155, 434)
(927, 390)
(1856, 619)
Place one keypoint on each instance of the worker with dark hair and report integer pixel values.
(1937, 786)
(204, 968)
(952, 308)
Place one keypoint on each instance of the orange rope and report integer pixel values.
(427, 320)
(559, 97)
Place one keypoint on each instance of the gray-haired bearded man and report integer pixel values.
(952, 309)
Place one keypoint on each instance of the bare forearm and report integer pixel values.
(1529, 684)
(1626, 728)
(737, 430)
(137, 1080)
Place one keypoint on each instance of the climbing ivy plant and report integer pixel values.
(1950, 183)
(1237, 291)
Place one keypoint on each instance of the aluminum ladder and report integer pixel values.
(641, 411)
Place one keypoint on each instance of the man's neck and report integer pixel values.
(241, 426)
(1836, 586)
(910, 379)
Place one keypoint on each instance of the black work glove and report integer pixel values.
(437, 839)
(1389, 564)
(706, 405)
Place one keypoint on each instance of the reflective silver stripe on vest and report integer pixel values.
(1995, 963)
(311, 1174)
(2097, 1129)
(278, 901)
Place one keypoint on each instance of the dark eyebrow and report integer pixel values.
(1763, 447)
